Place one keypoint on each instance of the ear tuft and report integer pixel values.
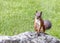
(41, 12)
(36, 11)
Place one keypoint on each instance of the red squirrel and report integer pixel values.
(39, 24)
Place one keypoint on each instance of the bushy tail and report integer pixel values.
(47, 24)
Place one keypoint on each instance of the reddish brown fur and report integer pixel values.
(42, 25)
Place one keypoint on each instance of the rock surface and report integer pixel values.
(29, 37)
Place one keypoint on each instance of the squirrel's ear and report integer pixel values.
(41, 12)
(36, 11)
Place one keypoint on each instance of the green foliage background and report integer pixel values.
(17, 16)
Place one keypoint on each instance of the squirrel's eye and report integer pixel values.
(38, 17)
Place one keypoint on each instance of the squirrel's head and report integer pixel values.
(38, 14)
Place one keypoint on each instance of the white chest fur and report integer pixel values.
(38, 22)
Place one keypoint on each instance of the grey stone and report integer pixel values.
(29, 37)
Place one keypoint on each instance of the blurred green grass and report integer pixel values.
(17, 16)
